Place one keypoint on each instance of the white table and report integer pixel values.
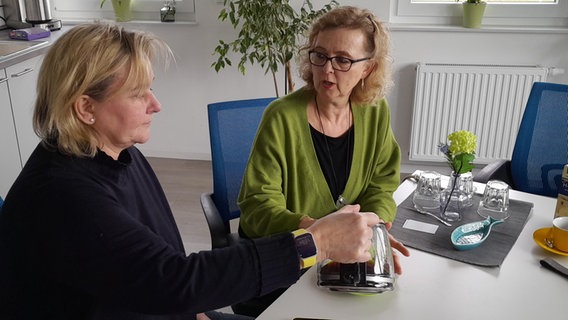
(433, 287)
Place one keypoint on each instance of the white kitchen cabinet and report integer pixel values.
(10, 164)
(22, 79)
(17, 137)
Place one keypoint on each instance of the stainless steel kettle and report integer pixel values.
(38, 11)
(374, 276)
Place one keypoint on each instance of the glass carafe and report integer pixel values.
(374, 276)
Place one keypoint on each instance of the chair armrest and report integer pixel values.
(499, 169)
(217, 227)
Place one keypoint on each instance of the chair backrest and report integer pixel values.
(1, 202)
(232, 128)
(541, 147)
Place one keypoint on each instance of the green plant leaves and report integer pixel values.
(462, 163)
(268, 32)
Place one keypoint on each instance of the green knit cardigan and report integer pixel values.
(283, 181)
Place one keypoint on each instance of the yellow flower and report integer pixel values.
(462, 142)
(460, 153)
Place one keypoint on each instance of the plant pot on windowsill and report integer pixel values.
(473, 11)
(122, 9)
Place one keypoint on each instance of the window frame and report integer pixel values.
(534, 14)
(142, 10)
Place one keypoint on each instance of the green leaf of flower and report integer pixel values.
(463, 163)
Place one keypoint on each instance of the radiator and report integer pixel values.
(487, 100)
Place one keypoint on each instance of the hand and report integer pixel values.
(395, 244)
(202, 316)
(344, 236)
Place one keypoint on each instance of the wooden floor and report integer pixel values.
(184, 181)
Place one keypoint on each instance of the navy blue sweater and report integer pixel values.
(84, 238)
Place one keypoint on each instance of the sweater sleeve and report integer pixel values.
(124, 263)
(262, 199)
(283, 181)
(385, 169)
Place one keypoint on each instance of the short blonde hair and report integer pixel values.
(378, 81)
(87, 60)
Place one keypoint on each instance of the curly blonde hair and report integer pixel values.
(378, 81)
(87, 60)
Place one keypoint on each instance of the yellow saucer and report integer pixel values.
(539, 236)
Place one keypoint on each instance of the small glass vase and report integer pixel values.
(453, 199)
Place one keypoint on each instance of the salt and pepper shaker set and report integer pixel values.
(168, 11)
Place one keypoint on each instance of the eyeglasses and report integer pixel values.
(337, 63)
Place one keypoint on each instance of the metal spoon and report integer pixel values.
(549, 240)
(549, 243)
(431, 215)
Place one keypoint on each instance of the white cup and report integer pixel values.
(495, 201)
(427, 194)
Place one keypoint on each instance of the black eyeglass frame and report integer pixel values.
(331, 59)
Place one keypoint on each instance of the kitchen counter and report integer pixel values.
(31, 53)
(19, 71)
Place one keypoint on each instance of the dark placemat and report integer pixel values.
(490, 253)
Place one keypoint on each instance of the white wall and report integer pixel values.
(180, 130)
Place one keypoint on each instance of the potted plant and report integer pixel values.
(473, 11)
(268, 33)
(122, 9)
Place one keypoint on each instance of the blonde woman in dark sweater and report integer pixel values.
(86, 231)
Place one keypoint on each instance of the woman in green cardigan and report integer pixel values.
(329, 143)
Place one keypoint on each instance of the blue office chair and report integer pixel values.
(1, 202)
(541, 147)
(232, 128)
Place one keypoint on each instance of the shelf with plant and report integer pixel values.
(122, 9)
(473, 11)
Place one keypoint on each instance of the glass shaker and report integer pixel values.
(168, 12)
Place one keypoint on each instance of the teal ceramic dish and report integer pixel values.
(471, 235)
